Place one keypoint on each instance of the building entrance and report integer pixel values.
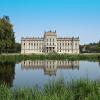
(50, 49)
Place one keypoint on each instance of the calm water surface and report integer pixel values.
(38, 72)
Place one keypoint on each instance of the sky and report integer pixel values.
(69, 18)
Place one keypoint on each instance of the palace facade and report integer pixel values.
(49, 43)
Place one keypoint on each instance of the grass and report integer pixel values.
(17, 58)
(56, 90)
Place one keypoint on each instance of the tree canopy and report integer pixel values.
(7, 38)
(90, 48)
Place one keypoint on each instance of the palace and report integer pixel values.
(49, 43)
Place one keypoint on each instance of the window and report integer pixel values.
(50, 66)
(24, 43)
(65, 43)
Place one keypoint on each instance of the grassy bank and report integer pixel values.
(90, 57)
(56, 90)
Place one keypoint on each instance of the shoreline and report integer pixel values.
(20, 57)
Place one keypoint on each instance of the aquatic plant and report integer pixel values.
(56, 90)
(18, 58)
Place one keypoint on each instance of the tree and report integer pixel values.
(17, 47)
(7, 39)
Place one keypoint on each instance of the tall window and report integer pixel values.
(65, 43)
(29, 45)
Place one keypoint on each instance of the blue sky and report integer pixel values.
(68, 17)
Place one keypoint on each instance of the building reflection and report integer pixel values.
(50, 66)
(7, 73)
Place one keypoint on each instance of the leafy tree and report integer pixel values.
(7, 39)
(17, 47)
(90, 48)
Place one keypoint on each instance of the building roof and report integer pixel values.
(50, 33)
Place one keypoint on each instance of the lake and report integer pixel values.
(39, 72)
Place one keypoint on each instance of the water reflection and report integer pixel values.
(99, 63)
(7, 72)
(27, 73)
(50, 66)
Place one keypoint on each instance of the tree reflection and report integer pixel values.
(99, 63)
(7, 72)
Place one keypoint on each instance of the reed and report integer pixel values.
(17, 58)
(82, 89)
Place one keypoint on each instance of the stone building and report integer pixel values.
(49, 43)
